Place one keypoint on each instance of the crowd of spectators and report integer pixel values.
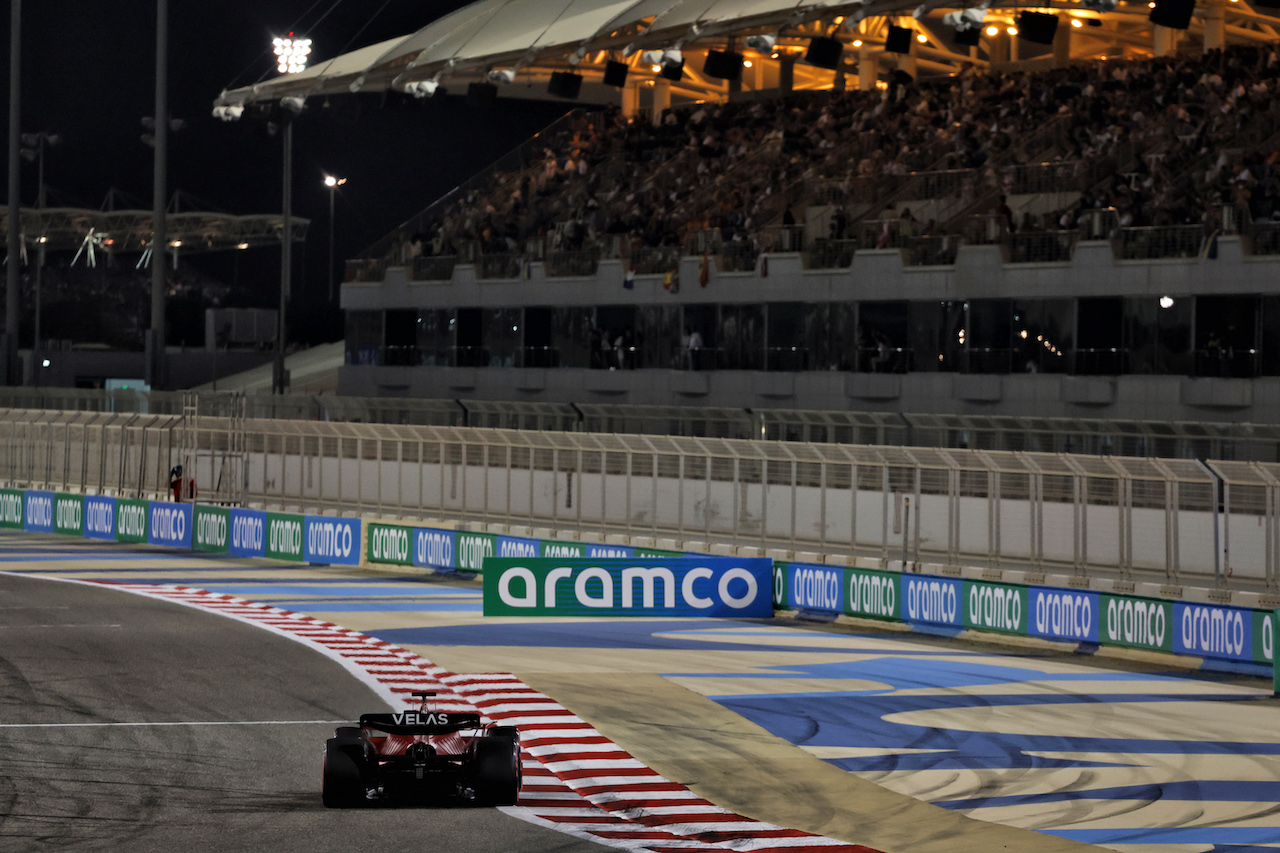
(1179, 138)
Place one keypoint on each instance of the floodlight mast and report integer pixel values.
(159, 200)
(9, 353)
(292, 54)
(332, 182)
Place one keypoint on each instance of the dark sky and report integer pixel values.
(89, 75)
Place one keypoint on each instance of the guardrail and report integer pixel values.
(1217, 523)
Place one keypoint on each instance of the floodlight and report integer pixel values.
(228, 112)
(291, 54)
(578, 55)
(294, 104)
(965, 19)
(506, 76)
(651, 57)
(1166, 301)
(422, 88)
(762, 43)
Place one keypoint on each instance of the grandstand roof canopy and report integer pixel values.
(69, 229)
(536, 37)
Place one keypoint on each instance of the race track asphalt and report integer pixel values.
(133, 724)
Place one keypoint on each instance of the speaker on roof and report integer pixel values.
(672, 70)
(824, 52)
(1175, 14)
(615, 74)
(898, 40)
(1037, 27)
(564, 84)
(968, 38)
(723, 65)
(481, 93)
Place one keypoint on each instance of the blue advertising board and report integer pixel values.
(248, 533)
(331, 540)
(99, 517)
(1212, 631)
(517, 546)
(815, 587)
(38, 517)
(934, 601)
(169, 524)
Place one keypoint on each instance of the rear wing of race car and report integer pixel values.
(421, 722)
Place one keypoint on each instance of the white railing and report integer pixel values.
(1115, 516)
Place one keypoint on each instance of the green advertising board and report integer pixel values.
(213, 525)
(389, 543)
(68, 514)
(1138, 623)
(558, 550)
(472, 548)
(780, 586)
(11, 501)
(131, 521)
(284, 536)
(872, 594)
(709, 586)
(995, 607)
(1264, 634)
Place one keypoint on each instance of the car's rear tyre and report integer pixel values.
(497, 771)
(341, 782)
(510, 733)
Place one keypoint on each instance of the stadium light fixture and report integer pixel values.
(1077, 23)
(966, 19)
(292, 53)
(505, 76)
(1013, 31)
(922, 38)
(762, 43)
(993, 31)
(1166, 301)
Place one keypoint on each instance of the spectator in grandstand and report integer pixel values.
(1006, 213)
(1162, 126)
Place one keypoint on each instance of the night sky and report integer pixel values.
(89, 75)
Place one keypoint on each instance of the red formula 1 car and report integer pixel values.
(423, 755)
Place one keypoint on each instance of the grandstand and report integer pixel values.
(1086, 228)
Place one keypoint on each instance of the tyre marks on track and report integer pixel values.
(577, 781)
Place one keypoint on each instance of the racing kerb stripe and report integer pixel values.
(576, 780)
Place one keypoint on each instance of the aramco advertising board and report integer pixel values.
(679, 586)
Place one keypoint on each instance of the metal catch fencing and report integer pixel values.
(1179, 521)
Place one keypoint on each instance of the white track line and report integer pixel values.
(576, 781)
